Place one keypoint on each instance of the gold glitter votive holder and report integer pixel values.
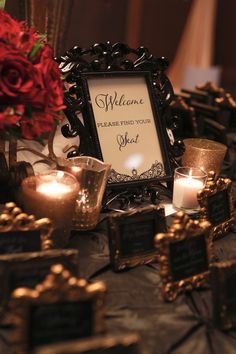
(92, 175)
(204, 153)
(53, 195)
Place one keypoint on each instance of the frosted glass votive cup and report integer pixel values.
(187, 182)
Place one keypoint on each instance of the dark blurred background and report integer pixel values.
(156, 24)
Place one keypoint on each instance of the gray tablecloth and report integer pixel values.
(134, 303)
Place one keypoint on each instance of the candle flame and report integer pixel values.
(190, 175)
(60, 174)
(53, 189)
(75, 169)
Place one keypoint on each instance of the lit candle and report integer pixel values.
(52, 195)
(53, 189)
(186, 188)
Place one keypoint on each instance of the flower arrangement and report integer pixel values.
(31, 94)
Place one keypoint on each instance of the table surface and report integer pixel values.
(134, 303)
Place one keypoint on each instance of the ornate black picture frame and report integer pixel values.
(126, 128)
(107, 61)
(184, 255)
(131, 236)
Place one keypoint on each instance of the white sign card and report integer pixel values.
(126, 127)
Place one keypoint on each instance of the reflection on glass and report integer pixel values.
(92, 175)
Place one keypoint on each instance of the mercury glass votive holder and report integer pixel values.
(204, 153)
(187, 182)
(92, 175)
(53, 195)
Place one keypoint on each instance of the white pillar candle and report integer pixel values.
(185, 192)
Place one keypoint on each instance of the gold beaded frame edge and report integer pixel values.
(212, 187)
(13, 219)
(115, 221)
(127, 342)
(182, 228)
(58, 286)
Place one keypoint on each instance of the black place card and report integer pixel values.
(188, 257)
(59, 321)
(131, 236)
(61, 308)
(109, 344)
(20, 241)
(29, 269)
(217, 206)
(184, 255)
(223, 285)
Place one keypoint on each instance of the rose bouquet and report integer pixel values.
(31, 94)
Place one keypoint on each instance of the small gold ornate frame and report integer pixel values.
(184, 254)
(116, 344)
(131, 236)
(65, 296)
(217, 206)
(28, 269)
(14, 222)
(223, 285)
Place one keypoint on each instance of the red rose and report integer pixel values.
(9, 28)
(52, 80)
(30, 86)
(20, 81)
(10, 116)
(27, 39)
(17, 34)
(33, 127)
(43, 54)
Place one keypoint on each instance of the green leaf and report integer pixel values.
(56, 121)
(34, 50)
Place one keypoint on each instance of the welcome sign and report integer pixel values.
(128, 127)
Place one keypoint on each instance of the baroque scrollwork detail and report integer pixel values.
(108, 57)
(155, 171)
(114, 57)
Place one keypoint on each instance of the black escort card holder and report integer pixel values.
(29, 269)
(184, 255)
(26, 252)
(131, 236)
(217, 206)
(109, 344)
(223, 285)
(59, 309)
(20, 232)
